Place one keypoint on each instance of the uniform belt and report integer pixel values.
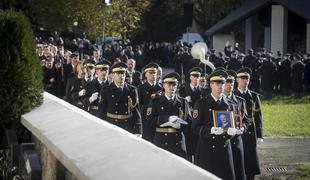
(94, 107)
(118, 116)
(166, 130)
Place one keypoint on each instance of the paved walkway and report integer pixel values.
(280, 155)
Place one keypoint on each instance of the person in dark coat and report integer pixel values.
(93, 88)
(191, 92)
(298, 69)
(251, 61)
(234, 63)
(146, 92)
(213, 152)
(119, 103)
(204, 86)
(254, 133)
(285, 74)
(70, 68)
(268, 71)
(75, 89)
(136, 75)
(307, 74)
(164, 117)
(241, 123)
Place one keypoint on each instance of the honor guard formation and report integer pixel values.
(208, 111)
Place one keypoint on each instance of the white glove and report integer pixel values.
(188, 99)
(138, 135)
(174, 119)
(82, 92)
(231, 131)
(240, 131)
(93, 97)
(217, 130)
(260, 140)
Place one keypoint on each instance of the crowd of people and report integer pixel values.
(184, 111)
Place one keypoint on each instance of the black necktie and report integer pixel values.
(171, 100)
(218, 101)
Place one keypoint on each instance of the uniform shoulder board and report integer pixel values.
(240, 98)
(256, 93)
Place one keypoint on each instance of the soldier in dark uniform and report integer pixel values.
(298, 69)
(191, 92)
(119, 104)
(268, 71)
(251, 61)
(241, 123)
(234, 63)
(162, 114)
(94, 87)
(204, 86)
(135, 75)
(285, 74)
(254, 132)
(213, 151)
(75, 90)
(146, 92)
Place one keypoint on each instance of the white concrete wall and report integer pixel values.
(219, 41)
(91, 148)
(278, 29)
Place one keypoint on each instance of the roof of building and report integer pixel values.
(250, 7)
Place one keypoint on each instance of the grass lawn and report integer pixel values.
(286, 116)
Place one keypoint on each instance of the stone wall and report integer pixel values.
(76, 145)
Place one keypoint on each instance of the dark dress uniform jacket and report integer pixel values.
(239, 109)
(297, 76)
(254, 131)
(145, 91)
(213, 152)
(93, 87)
(120, 107)
(74, 86)
(159, 110)
(268, 74)
(234, 64)
(285, 71)
(191, 139)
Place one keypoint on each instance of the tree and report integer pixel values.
(208, 12)
(122, 17)
(163, 21)
(20, 70)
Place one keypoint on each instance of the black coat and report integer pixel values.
(191, 138)
(136, 78)
(285, 74)
(213, 152)
(115, 102)
(74, 86)
(145, 91)
(240, 113)
(268, 74)
(159, 110)
(234, 64)
(254, 131)
(93, 87)
(297, 76)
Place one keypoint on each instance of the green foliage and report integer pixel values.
(304, 172)
(21, 78)
(163, 21)
(286, 116)
(208, 12)
(121, 18)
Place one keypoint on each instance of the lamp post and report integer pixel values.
(75, 24)
(106, 3)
